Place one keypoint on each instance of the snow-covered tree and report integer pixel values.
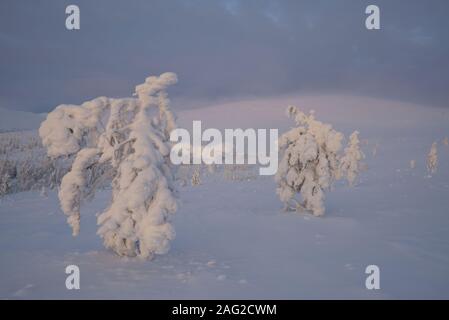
(4, 184)
(432, 159)
(309, 162)
(196, 179)
(446, 141)
(132, 134)
(375, 148)
(350, 162)
(412, 164)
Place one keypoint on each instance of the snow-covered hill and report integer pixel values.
(11, 120)
(234, 240)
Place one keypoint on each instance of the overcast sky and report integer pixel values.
(222, 49)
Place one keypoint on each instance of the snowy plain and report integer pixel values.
(233, 239)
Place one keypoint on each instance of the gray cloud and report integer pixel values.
(226, 48)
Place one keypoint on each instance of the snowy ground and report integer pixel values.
(233, 239)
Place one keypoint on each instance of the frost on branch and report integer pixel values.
(310, 162)
(350, 161)
(132, 134)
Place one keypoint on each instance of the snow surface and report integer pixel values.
(233, 239)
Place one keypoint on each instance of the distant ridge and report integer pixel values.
(11, 120)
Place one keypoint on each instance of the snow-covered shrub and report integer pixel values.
(350, 161)
(132, 134)
(375, 148)
(7, 171)
(432, 159)
(196, 179)
(412, 164)
(4, 184)
(310, 162)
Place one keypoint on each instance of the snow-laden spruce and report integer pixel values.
(311, 162)
(132, 134)
(350, 161)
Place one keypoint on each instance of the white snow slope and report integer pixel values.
(234, 240)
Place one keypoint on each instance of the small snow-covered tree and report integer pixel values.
(350, 161)
(432, 159)
(446, 141)
(196, 179)
(375, 148)
(412, 164)
(4, 184)
(132, 134)
(309, 162)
